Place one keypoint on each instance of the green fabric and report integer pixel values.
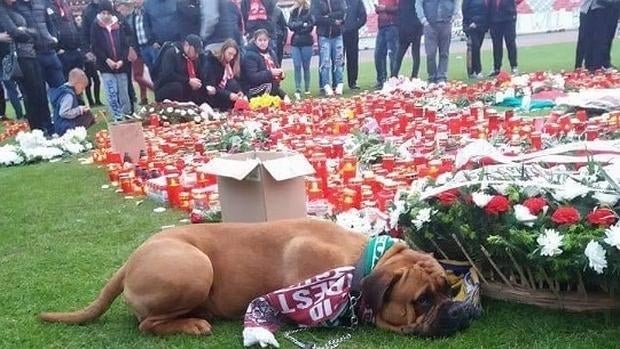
(376, 248)
(515, 102)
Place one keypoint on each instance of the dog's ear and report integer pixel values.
(376, 287)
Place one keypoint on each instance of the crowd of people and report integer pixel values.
(221, 51)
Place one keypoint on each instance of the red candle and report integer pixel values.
(536, 140)
(581, 115)
(388, 162)
(356, 185)
(184, 201)
(174, 189)
(114, 157)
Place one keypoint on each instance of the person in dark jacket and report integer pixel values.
(502, 26)
(69, 39)
(222, 20)
(354, 20)
(123, 13)
(475, 25)
(90, 68)
(29, 77)
(603, 20)
(67, 111)
(8, 83)
(188, 12)
(260, 69)
(180, 78)
(258, 14)
(301, 24)
(409, 34)
(36, 15)
(109, 45)
(280, 33)
(220, 74)
(387, 39)
(329, 18)
(142, 34)
(163, 19)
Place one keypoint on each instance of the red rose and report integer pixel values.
(565, 215)
(448, 197)
(602, 216)
(535, 205)
(498, 204)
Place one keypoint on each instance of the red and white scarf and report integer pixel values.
(228, 74)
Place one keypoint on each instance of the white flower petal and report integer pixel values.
(597, 259)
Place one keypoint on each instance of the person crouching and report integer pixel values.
(220, 75)
(67, 111)
(260, 69)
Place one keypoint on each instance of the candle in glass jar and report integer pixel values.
(173, 187)
(184, 201)
(126, 183)
(388, 162)
(349, 169)
(536, 140)
(199, 198)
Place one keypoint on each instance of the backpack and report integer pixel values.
(168, 45)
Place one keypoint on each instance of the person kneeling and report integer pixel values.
(220, 73)
(177, 73)
(68, 113)
(260, 69)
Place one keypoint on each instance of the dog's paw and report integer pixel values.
(258, 335)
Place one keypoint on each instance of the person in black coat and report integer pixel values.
(475, 25)
(280, 36)
(260, 69)
(354, 20)
(502, 25)
(410, 31)
(302, 25)
(258, 14)
(29, 77)
(69, 39)
(222, 21)
(220, 73)
(180, 76)
(89, 14)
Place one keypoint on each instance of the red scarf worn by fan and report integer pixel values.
(191, 69)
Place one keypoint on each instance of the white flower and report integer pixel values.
(380, 226)
(550, 242)
(418, 186)
(9, 155)
(572, 189)
(523, 215)
(423, 216)
(191, 112)
(613, 236)
(481, 199)
(596, 256)
(169, 110)
(177, 111)
(396, 212)
(183, 113)
(74, 148)
(197, 119)
(443, 178)
(354, 221)
(501, 188)
(606, 199)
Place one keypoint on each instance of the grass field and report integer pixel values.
(63, 236)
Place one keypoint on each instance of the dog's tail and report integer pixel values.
(108, 294)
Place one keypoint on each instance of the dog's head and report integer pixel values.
(409, 293)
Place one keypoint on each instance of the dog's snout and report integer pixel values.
(456, 311)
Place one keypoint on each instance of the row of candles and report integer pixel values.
(11, 128)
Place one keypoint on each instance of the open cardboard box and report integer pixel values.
(261, 186)
(127, 137)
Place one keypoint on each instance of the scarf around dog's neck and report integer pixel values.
(321, 301)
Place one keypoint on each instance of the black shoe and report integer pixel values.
(378, 86)
(354, 87)
(494, 73)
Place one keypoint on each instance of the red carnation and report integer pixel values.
(565, 215)
(498, 204)
(602, 216)
(448, 197)
(535, 205)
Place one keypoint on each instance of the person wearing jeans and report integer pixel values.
(502, 25)
(387, 39)
(436, 16)
(409, 34)
(329, 17)
(301, 24)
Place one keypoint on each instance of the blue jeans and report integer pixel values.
(301, 58)
(51, 69)
(118, 95)
(386, 45)
(148, 54)
(437, 37)
(331, 60)
(11, 90)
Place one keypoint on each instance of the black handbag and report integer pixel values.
(10, 65)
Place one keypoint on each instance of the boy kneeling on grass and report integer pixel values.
(68, 113)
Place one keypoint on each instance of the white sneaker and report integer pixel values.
(339, 89)
(328, 90)
(307, 93)
(515, 71)
(297, 96)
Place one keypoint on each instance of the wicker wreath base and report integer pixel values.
(566, 301)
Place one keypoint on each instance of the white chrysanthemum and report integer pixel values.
(9, 155)
(418, 186)
(606, 199)
(396, 212)
(596, 256)
(354, 221)
(523, 215)
(74, 148)
(613, 236)
(423, 216)
(550, 242)
(481, 199)
(169, 110)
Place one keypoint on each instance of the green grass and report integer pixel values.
(63, 236)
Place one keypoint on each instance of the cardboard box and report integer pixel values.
(127, 137)
(261, 186)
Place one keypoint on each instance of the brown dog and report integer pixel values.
(181, 277)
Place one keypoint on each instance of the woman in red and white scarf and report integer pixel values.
(220, 75)
(260, 69)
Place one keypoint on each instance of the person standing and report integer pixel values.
(142, 34)
(475, 16)
(387, 39)
(354, 20)
(602, 25)
(329, 18)
(258, 14)
(69, 40)
(585, 33)
(436, 16)
(280, 30)
(302, 25)
(221, 21)
(502, 25)
(409, 34)
(163, 19)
